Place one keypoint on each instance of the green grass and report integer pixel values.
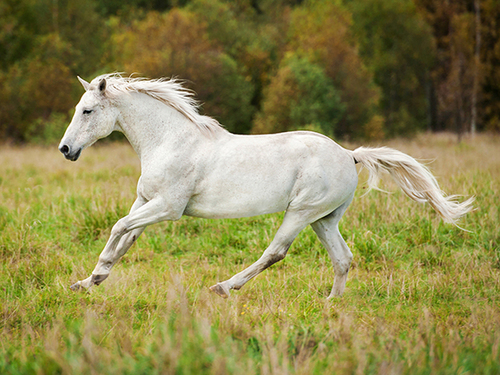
(422, 297)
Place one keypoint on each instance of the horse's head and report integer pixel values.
(94, 119)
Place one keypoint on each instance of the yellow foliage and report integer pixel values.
(276, 106)
(322, 31)
(177, 44)
(36, 88)
(374, 129)
(165, 44)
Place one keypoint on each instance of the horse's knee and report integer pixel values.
(348, 261)
(343, 268)
(343, 262)
(272, 258)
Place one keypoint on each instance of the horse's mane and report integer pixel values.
(168, 91)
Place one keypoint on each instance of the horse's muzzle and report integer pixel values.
(70, 154)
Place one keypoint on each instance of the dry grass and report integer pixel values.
(422, 296)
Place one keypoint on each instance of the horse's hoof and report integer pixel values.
(76, 287)
(334, 296)
(220, 290)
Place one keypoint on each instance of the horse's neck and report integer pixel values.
(148, 124)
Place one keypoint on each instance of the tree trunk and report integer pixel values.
(475, 88)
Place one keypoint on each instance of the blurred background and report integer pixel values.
(351, 69)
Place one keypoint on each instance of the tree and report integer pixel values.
(177, 44)
(489, 90)
(459, 75)
(36, 87)
(300, 96)
(397, 46)
(477, 62)
(322, 32)
(44, 44)
(251, 33)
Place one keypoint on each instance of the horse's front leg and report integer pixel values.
(124, 233)
(108, 258)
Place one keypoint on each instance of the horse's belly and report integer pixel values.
(228, 211)
(233, 201)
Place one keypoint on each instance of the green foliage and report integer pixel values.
(48, 43)
(398, 66)
(250, 34)
(490, 60)
(75, 23)
(130, 8)
(178, 42)
(397, 45)
(35, 88)
(300, 96)
(322, 31)
(18, 24)
(47, 131)
(226, 24)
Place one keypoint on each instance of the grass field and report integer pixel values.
(423, 297)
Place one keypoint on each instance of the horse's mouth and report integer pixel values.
(74, 156)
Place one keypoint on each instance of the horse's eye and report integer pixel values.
(87, 111)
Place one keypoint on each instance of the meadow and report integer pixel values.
(423, 297)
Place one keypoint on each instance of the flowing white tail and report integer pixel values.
(413, 178)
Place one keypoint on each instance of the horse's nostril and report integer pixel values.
(64, 149)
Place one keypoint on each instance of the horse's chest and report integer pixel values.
(172, 185)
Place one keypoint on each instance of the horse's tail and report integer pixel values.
(412, 177)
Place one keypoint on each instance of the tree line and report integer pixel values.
(347, 68)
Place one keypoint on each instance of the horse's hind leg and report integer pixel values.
(328, 232)
(293, 223)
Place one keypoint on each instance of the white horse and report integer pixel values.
(192, 166)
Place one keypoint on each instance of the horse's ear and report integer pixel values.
(102, 86)
(84, 83)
